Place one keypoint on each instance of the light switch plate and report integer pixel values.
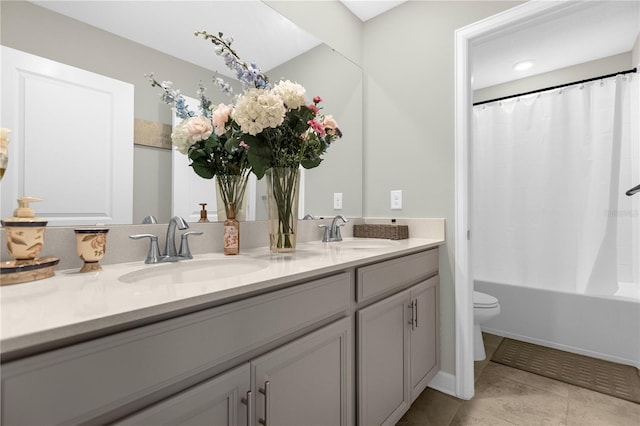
(337, 200)
(396, 200)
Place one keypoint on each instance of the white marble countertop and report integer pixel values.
(72, 304)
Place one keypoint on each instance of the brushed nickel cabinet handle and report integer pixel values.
(410, 307)
(265, 392)
(248, 401)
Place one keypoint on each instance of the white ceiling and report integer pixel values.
(367, 9)
(583, 32)
(261, 35)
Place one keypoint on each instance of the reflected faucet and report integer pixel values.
(149, 219)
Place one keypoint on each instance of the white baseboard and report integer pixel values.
(445, 383)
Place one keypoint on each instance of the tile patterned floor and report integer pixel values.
(507, 396)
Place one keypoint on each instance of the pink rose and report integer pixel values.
(317, 99)
(313, 108)
(331, 126)
(317, 127)
(199, 128)
(220, 116)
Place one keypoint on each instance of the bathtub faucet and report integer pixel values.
(633, 190)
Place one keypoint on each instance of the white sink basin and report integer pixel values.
(191, 271)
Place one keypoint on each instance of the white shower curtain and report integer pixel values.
(549, 175)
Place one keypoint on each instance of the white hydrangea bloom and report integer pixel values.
(292, 94)
(181, 138)
(258, 109)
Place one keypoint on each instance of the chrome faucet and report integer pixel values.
(332, 233)
(170, 245)
(170, 253)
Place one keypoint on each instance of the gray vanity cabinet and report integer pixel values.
(424, 342)
(221, 401)
(383, 357)
(109, 378)
(397, 344)
(307, 381)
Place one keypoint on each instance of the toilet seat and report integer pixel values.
(484, 301)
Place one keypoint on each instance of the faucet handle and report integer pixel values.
(185, 252)
(325, 233)
(153, 256)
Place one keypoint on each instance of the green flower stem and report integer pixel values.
(232, 189)
(284, 188)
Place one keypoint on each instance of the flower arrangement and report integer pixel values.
(265, 126)
(267, 129)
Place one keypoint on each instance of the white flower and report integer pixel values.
(181, 138)
(292, 94)
(258, 109)
(199, 128)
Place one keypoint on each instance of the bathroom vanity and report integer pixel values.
(337, 334)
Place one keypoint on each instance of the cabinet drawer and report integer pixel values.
(81, 382)
(374, 280)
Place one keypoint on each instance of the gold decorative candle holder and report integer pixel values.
(92, 245)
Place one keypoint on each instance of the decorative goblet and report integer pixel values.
(92, 245)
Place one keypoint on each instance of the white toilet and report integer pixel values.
(485, 307)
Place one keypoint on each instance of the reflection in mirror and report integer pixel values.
(320, 70)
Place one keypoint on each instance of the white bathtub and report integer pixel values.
(600, 327)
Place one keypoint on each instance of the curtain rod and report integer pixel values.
(557, 87)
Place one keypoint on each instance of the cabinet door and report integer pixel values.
(220, 401)
(425, 357)
(383, 357)
(306, 382)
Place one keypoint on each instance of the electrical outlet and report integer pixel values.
(396, 200)
(337, 200)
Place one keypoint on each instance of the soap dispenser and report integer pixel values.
(25, 240)
(25, 232)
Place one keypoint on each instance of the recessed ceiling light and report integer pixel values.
(523, 65)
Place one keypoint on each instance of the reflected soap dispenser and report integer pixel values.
(25, 232)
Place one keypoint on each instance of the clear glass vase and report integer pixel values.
(231, 189)
(282, 204)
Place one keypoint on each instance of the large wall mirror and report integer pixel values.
(97, 36)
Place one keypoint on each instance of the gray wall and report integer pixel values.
(409, 122)
(325, 73)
